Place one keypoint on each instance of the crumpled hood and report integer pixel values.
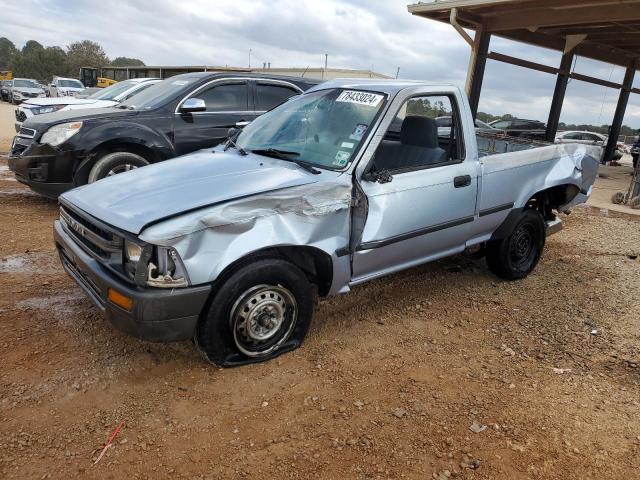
(130, 201)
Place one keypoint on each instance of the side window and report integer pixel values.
(270, 96)
(137, 91)
(573, 136)
(229, 97)
(425, 133)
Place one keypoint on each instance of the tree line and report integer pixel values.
(43, 63)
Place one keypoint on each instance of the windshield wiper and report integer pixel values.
(286, 155)
(231, 142)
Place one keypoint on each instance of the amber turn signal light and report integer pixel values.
(120, 300)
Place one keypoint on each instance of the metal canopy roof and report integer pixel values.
(605, 30)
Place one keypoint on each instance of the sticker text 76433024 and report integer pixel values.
(361, 98)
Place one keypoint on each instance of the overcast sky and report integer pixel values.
(361, 34)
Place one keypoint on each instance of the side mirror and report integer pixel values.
(232, 132)
(52, 85)
(380, 176)
(191, 105)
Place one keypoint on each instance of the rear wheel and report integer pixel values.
(114, 163)
(262, 310)
(515, 256)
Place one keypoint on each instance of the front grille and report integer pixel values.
(93, 237)
(26, 132)
(20, 115)
(81, 276)
(18, 148)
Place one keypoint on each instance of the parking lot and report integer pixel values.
(441, 371)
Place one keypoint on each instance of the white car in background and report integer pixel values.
(23, 89)
(589, 138)
(62, 87)
(105, 97)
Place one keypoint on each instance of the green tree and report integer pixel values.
(31, 47)
(84, 54)
(38, 62)
(127, 62)
(8, 52)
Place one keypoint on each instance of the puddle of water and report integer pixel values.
(29, 263)
(21, 192)
(45, 303)
(6, 174)
(60, 307)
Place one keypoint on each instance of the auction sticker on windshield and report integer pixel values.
(361, 98)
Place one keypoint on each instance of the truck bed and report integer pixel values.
(494, 143)
(513, 169)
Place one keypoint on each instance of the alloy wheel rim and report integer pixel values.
(121, 169)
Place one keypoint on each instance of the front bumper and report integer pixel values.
(157, 315)
(43, 168)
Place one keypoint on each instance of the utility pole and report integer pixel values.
(249, 58)
(397, 73)
(326, 59)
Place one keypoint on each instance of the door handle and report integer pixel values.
(462, 181)
(242, 123)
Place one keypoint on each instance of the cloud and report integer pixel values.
(360, 34)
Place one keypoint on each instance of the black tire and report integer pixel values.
(114, 163)
(515, 256)
(231, 329)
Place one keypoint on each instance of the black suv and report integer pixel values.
(55, 152)
(518, 127)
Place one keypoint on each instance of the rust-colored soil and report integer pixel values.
(390, 382)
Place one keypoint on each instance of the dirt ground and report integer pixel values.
(442, 371)
(7, 129)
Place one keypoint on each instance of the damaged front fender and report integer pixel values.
(210, 239)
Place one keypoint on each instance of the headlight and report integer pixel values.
(47, 109)
(132, 251)
(169, 271)
(60, 133)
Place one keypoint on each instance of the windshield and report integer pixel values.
(70, 84)
(113, 91)
(26, 84)
(156, 95)
(322, 128)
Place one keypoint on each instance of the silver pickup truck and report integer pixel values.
(343, 184)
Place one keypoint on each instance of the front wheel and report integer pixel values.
(114, 163)
(515, 256)
(262, 310)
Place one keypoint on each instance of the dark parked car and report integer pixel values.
(5, 90)
(55, 152)
(517, 127)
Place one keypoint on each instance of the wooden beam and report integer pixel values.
(559, 16)
(616, 124)
(499, 57)
(477, 68)
(594, 80)
(558, 95)
(593, 51)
